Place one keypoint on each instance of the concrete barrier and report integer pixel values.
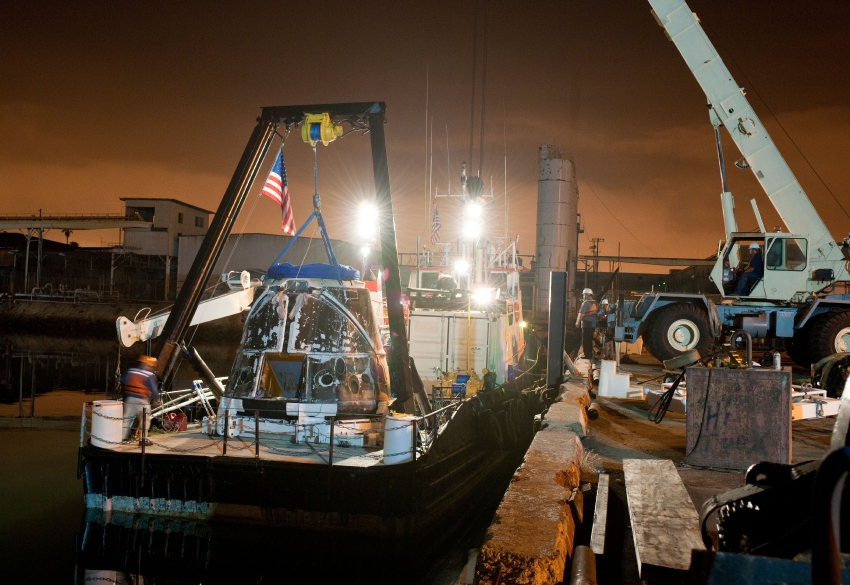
(533, 529)
(567, 417)
(574, 392)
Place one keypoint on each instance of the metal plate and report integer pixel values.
(738, 417)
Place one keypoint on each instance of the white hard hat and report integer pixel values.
(754, 246)
(587, 291)
(604, 301)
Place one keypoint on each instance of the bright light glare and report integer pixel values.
(462, 266)
(365, 250)
(522, 324)
(472, 229)
(367, 216)
(473, 210)
(482, 296)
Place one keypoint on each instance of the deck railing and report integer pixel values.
(426, 429)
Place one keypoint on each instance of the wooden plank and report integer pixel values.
(665, 524)
(600, 516)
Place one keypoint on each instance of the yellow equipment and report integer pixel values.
(319, 128)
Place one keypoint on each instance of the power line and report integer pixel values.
(752, 86)
(620, 222)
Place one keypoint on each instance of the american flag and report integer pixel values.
(435, 227)
(277, 189)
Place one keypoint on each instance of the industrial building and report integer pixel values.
(148, 263)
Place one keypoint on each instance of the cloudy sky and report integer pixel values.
(101, 100)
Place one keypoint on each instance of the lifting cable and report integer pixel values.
(251, 211)
(230, 256)
(787, 135)
(664, 401)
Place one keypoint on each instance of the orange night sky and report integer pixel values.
(101, 100)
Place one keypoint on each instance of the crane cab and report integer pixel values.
(784, 266)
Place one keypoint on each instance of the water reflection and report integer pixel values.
(48, 378)
(140, 549)
(51, 376)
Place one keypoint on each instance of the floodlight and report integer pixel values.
(472, 229)
(482, 296)
(367, 219)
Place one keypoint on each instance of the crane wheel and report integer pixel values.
(677, 329)
(798, 348)
(830, 333)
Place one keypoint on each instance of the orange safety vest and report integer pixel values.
(136, 382)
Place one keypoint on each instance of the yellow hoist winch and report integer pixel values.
(319, 128)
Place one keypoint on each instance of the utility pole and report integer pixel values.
(594, 246)
(40, 249)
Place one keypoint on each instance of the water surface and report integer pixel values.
(45, 535)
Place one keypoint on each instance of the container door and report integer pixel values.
(470, 342)
(426, 336)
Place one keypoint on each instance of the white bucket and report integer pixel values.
(108, 429)
(398, 439)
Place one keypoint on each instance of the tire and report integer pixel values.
(830, 333)
(676, 329)
(647, 338)
(797, 347)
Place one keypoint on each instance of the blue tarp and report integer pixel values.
(287, 270)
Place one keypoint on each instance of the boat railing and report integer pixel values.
(431, 429)
(47, 293)
(505, 257)
(221, 438)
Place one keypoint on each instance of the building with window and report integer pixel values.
(171, 219)
(157, 249)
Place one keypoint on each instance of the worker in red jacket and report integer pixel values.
(141, 389)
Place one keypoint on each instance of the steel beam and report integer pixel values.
(401, 378)
(168, 347)
(654, 261)
(74, 224)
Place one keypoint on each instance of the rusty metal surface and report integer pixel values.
(738, 417)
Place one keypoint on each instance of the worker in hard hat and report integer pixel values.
(140, 388)
(753, 273)
(586, 319)
(606, 333)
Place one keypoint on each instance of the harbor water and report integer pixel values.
(46, 535)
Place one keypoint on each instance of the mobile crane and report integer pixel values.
(792, 300)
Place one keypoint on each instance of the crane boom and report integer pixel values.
(732, 108)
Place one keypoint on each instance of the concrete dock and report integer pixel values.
(541, 517)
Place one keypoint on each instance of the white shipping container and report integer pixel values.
(442, 340)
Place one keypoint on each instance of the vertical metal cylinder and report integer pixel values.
(557, 208)
(226, 424)
(143, 437)
(557, 324)
(257, 433)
